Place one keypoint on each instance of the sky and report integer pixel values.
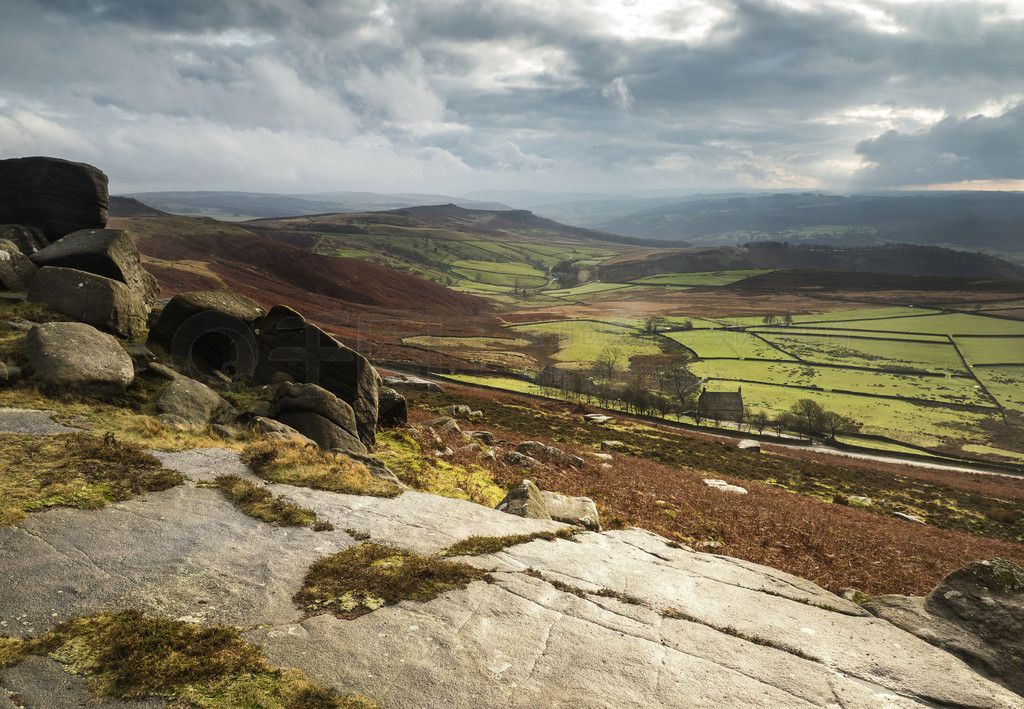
(455, 96)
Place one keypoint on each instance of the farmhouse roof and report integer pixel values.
(722, 400)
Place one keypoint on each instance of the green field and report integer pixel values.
(863, 314)
(706, 278)
(837, 332)
(511, 275)
(726, 343)
(842, 349)
(586, 289)
(906, 421)
(580, 342)
(957, 390)
(431, 341)
(992, 350)
(1005, 383)
(947, 324)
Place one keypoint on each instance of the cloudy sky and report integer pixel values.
(452, 96)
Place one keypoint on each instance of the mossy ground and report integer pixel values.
(259, 503)
(366, 577)
(475, 546)
(416, 465)
(129, 655)
(295, 464)
(74, 470)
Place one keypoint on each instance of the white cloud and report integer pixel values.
(618, 92)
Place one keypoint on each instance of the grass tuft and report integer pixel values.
(74, 470)
(260, 503)
(128, 655)
(366, 577)
(295, 464)
(475, 546)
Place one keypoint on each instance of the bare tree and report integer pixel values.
(608, 361)
(759, 421)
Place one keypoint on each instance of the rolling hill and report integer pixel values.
(985, 221)
(186, 253)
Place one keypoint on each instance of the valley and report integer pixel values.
(927, 364)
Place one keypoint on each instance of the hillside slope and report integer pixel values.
(186, 253)
(989, 221)
(892, 258)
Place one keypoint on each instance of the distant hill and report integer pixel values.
(517, 224)
(250, 205)
(992, 222)
(908, 259)
(128, 207)
(186, 253)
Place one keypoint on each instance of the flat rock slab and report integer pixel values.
(739, 634)
(42, 682)
(31, 421)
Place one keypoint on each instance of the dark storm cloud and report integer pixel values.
(956, 149)
(600, 93)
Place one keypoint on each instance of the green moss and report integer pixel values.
(475, 546)
(295, 464)
(428, 473)
(366, 577)
(260, 503)
(12, 651)
(128, 655)
(74, 470)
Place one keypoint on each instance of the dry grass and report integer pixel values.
(74, 470)
(295, 464)
(836, 546)
(259, 503)
(366, 577)
(131, 656)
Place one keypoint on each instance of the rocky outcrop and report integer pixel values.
(79, 358)
(292, 398)
(209, 329)
(53, 195)
(525, 500)
(406, 382)
(579, 511)
(324, 432)
(537, 449)
(392, 408)
(195, 403)
(976, 613)
(106, 252)
(16, 271)
(27, 239)
(276, 431)
(98, 301)
(287, 343)
(640, 622)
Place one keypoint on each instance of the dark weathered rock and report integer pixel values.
(28, 239)
(288, 344)
(521, 460)
(323, 432)
(392, 408)
(141, 355)
(101, 302)
(375, 465)
(209, 331)
(78, 357)
(54, 195)
(106, 252)
(536, 448)
(458, 411)
(444, 424)
(976, 613)
(277, 431)
(16, 271)
(485, 437)
(195, 402)
(290, 397)
(525, 500)
(580, 511)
